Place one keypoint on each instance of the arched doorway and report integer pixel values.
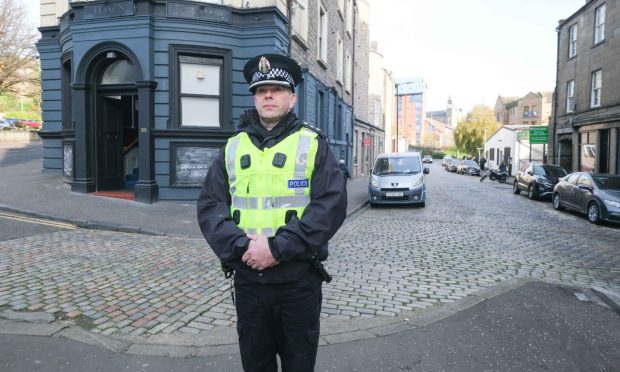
(116, 141)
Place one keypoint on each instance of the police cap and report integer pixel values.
(272, 69)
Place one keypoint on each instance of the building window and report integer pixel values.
(599, 24)
(587, 156)
(597, 82)
(349, 17)
(341, 8)
(356, 148)
(572, 41)
(300, 21)
(200, 89)
(348, 74)
(65, 93)
(322, 41)
(378, 114)
(339, 61)
(570, 96)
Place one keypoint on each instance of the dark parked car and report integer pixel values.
(595, 194)
(468, 167)
(537, 179)
(452, 165)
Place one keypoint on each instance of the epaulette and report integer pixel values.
(315, 129)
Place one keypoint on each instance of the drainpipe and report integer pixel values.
(353, 77)
(289, 11)
(555, 149)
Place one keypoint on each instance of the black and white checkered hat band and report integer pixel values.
(273, 74)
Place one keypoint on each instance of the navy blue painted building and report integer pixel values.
(140, 95)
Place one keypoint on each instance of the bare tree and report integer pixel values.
(18, 54)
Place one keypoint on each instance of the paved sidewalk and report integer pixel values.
(178, 305)
(28, 189)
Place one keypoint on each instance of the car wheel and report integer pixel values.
(531, 191)
(594, 213)
(515, 188)
(557, 204)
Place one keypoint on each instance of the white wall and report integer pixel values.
(507, 136)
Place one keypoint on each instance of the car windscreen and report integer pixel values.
(469, 163)
(396, 165)
(548, 171)
(607, 182)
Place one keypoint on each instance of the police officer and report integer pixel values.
(270, 202)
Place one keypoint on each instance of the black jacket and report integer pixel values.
(294, 243)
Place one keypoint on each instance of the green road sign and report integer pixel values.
(539, 134)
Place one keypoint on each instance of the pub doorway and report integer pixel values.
(116, 141)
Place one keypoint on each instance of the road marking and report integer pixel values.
(40, 221)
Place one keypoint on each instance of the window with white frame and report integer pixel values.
(572, 41)
(200, 91)
(570, 96)
(322, 35)
(378, 114)
(300, 21)
(597, 83)
(348, 71)
(339, 60)
(349, 17)
(599, 24)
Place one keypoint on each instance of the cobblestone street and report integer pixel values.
(385, 261)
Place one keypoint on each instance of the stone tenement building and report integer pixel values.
(585, 131)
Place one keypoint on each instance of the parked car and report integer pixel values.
(537, 179)
(445, 160)
(33, 124)
(468, 167)
(452, 165)
(4, 124)
(595, 194)
(398, 178)
(427, 159)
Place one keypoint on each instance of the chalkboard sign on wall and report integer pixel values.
(190, 163)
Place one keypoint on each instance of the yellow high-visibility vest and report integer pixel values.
(270, 186)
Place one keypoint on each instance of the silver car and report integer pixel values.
(398, 178)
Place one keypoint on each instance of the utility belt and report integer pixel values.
(315, 263)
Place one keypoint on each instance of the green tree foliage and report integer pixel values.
(469, 132)
(18, 55)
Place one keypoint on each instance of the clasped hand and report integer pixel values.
(258, 256)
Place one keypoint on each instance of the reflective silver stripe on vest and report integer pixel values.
(230, 163)
(252, 231)
(301, 159)
(241, 202)
(296, 201)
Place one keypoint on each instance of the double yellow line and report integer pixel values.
(39, 221)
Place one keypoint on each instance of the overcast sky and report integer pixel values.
(472, 50)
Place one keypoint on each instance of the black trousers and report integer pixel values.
(280, 319)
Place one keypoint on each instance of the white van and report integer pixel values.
(398, 178)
